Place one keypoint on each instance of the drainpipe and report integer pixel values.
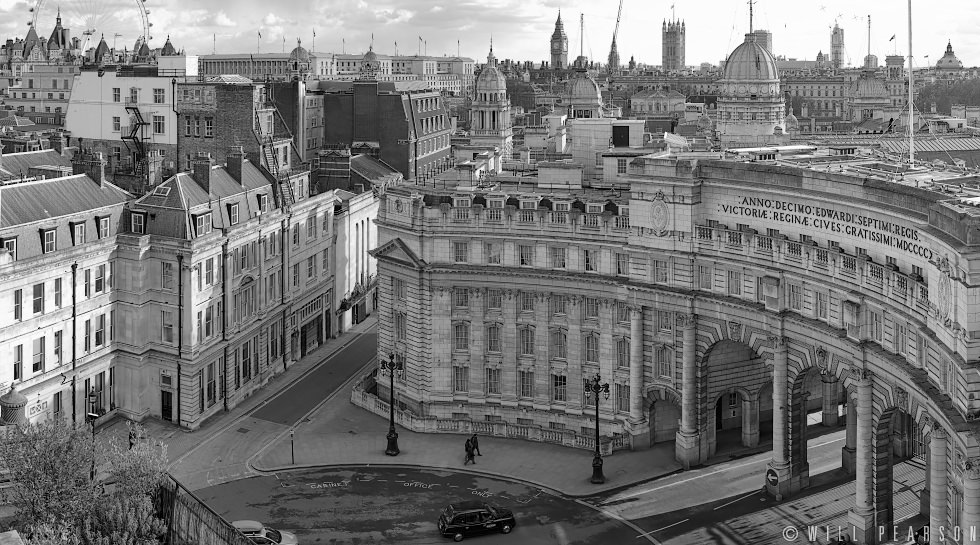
(173, 94)
(74, 320)
(180, 328)
(284, 266)
(224, 312)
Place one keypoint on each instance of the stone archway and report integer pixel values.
(897, 438)
(733, 371)
(663, 409)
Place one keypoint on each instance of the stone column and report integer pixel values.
(750, 422)
(861, 517)
(636, 365)
(778, 474)
(970, 522)
(830, 399)
(937, 483)
(688, 445)
(849, 450)
(509, 380)
(478, 373)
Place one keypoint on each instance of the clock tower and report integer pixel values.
(559, 46)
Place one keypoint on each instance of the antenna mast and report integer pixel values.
(911, 104)
(750, 15)
(581, 35)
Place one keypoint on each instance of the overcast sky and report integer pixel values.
(521, 28)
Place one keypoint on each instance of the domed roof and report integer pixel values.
(751, 61)
(584, 89)
(491, 79)
(949, 60)
(370, 56)
(299, 53)
(868, 87)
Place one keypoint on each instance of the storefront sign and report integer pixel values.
(38, 411)
(809, 216)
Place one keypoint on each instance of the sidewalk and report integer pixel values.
(340, 433)
(180, 441)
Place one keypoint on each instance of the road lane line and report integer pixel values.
(832, 441)
(694, 478)
(660, 529)
(735, 500)
(616, 517)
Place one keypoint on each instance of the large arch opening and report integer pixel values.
(663, 415)
(735, 376)
(900, 467)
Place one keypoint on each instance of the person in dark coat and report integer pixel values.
(469, 453)
(476, 445)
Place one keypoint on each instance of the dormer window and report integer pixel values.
(263, 203)
(10, 244)
(593, 208)
(563, 206)
(202, 224)
(78, 233)
(233, 213)
(103, 226)
(50, 239)
(137, 223)
(461, 202)
(529, 205)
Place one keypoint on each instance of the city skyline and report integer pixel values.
(521, 30)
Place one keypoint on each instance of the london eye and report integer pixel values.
(120, 22)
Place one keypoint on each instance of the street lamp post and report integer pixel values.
(393, 365)
(92, 415)
(596, 387)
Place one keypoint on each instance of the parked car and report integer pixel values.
(263, 535)
(470, 518)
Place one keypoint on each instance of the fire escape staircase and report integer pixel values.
(267, 142)
(135, 130)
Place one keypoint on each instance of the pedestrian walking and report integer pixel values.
(476, 445)
(469, 453)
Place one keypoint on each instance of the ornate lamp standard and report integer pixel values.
(596, 387)
(390, 367)
(92, 416)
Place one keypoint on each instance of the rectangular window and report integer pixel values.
(209, 322)
(592, 348)
(311, 227)
(704, 278)
(188, 126)
(159, 124)
(493, 381)
(401, 326)
(660, 271)
(58, 336)
(38, 361)
(622, 398)
(461, 298)
(622, 264)
(591, 308)
(264, 203)
(103, 224)
(38, 298)
(88, 335)
(734, 283)
(461, 336)
(311, 267)
(100, 330)
(50, 241)
(559, 388)
(296, 275)
(820, 305)
(495, 299)
(100, 279)
(116, 95)
(559, 344)
(795, 296)
(209, 271)
(559, 305)
(875, 326)
(527, 302)
(525, 255)
(622, 353)
(116, 124)
(664, 362)
(233, 214)
(526, 383)
(527, 341)
(461, 251)
(493, 253)
(19, 362)
(461, 379)
(901, 338)
(158, 96)
(167, 275)
(664, 322)
(208, 127)
(202, 224)
(558, 258)
(211, 387)
(591, 258)
(167, 321)
(10, 244)
(621, 165)
(493, 338)
(18, 305)
(401, 293)
(138, 224)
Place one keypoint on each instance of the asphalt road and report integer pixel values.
(395, 505)
(300, 398)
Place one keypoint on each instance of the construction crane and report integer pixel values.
(613, 64)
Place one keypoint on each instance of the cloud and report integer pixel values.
(222, 19)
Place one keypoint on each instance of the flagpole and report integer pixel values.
(258, 43)
(314, 39)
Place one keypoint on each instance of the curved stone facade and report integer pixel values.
(746, 292)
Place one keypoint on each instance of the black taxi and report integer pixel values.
(470, 518)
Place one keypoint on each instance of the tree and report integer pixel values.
(127, 520)
(48, 465)
(136, 471)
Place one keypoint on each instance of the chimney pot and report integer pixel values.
(201, 170)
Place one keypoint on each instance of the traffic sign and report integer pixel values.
(772, 478)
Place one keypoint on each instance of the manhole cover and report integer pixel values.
(243, 430)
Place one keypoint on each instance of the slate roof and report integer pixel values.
(15, 121)
(39, 200)
(372, 169)
(13, 165)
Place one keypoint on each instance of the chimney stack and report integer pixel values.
(91, 164)
(236, 156)
(57, 143)
(201, 170)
